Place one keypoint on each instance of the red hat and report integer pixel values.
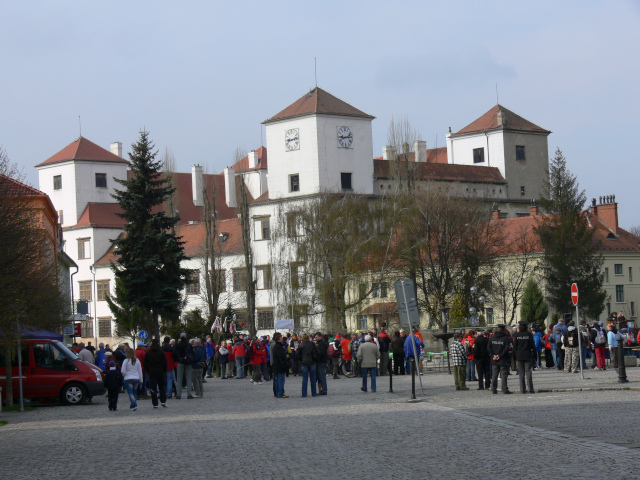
(338, 336)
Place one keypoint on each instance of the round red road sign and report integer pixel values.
(574, 293)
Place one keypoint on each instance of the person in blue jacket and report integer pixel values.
(408, 349)
(101, 358)
(210, 354)
(539, 343)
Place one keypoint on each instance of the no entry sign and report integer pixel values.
(574, 294)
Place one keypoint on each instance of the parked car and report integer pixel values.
(51, 370)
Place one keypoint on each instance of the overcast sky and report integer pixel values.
(202, 76)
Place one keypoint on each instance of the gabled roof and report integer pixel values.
(242, 165)
(82, 149)
(12, 187)
(318, 102)
(101, 215)
(510, 121)
(445, 172)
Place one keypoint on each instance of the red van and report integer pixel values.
(51, 370)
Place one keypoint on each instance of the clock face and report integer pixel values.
(292, 139)
(345, 137)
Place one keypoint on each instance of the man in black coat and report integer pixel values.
(499, 347)
(481, 355)
(524, 348)
(280, 365)
(155, 364)
(323, 358)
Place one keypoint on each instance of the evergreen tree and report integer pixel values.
(570, 252)
(458, 312)
(148, 273)
(534, 308)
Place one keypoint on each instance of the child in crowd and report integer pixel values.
(113, 383)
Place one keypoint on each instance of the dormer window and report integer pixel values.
(478, 155)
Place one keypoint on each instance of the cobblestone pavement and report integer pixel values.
(240, 431)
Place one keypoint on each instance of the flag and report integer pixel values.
(224, 327)
(216, 325)
(232, 326)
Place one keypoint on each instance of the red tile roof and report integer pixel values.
(510, 121)
(381, 308)
(434, 155)
(194, 236)
(82, 149)
(242, 165)
(101, 215)
(187, 210)
(446, 172)
(319, 102)
(12, 187)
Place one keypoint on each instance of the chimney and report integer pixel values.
(495, 212)
(196, 185)
(230, 187)
(533, 208)
(116, 148)
(500, 118)
(420, 149)
(607, 212)
(253, 159)
(388, 153)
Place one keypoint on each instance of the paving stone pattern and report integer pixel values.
(240, 431)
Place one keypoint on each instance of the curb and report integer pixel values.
(585, 389)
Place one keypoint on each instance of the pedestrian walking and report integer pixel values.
(132, 374)
(155, 364)
(113, 382)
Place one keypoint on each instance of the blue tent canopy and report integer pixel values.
(31, 332)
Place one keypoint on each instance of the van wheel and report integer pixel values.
(73, 394)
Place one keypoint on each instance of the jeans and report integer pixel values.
(132, 390)
(183, 371)
(321, 369)
(278, 379)
(471, 370)
(407, 364)
(239, 367)
(169, 382)
(372, 372)
(157, 385)
(209, 365)
(306, 371)
(584, 357)
(554, 354)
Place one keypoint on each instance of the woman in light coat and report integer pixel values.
(132, 372)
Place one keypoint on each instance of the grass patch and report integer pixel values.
(16, 408)
(2, 423)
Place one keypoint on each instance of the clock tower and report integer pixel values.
(319, 144)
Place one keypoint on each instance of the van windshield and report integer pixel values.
(65, 351)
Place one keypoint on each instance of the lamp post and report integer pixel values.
(94, 293)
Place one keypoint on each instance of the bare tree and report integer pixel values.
(212, 254)
(516, 262)
(245, 227)
(446, 240)
(333, 238)
(401, 137)
(635, 230)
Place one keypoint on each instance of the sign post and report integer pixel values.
(409, 317)
(574, 299)
(143, 335)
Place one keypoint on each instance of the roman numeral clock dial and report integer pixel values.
(345, 137)
(292, 139)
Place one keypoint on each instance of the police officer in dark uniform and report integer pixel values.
(524, 348)
(499, 348)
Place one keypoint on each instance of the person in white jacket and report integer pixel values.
(132, 372)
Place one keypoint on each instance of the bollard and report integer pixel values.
(622, 369)
(389, 367)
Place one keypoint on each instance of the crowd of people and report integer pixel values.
(482, 356)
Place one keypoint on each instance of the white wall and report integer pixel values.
(65, 198)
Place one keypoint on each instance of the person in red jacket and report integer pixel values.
(345, 346)
(258, 356)
(471, 361)
(168, 351)
(140, 352)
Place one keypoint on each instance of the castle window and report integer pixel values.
(478, 155)
(57, 182)
(345, 179)
(294, 183)
(101, 180)
(520, 156)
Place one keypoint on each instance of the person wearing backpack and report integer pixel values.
(599, 341)
(571, 351)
